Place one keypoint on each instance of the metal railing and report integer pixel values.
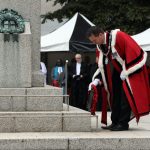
(66, 97)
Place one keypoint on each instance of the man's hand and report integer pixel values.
(123, 75)
(95, 82)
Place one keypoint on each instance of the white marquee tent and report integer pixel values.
(69, 37)
(143, 39)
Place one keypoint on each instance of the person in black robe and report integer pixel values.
(79, 87)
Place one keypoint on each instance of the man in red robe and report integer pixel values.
(127, 81)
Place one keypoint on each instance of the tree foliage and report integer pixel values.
(132, 16)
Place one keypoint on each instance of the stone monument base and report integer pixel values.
(39, 109)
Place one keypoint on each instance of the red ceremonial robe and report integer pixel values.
(132, 59)
(128, 57)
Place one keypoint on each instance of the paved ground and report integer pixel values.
(142, 129)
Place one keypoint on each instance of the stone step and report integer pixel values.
(102, 140)
(31, 103)
(31, 99)
(47, 90)
(137, 138)
(59, 121)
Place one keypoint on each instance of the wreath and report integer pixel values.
(11, 16)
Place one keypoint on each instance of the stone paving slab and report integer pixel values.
(137, 138)
(143, 125)
(72, 141)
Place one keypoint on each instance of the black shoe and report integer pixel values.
(108, 127)
(120, 127)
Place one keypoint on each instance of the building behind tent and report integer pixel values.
(48, 6)
(50, 59)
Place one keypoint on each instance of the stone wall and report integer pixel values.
(15, 60)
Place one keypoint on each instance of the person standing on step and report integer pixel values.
(128, 75)
(78, 74)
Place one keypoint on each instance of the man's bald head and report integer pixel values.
(78, 58)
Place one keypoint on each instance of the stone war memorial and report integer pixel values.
(27, 107)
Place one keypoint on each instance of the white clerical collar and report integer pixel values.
(78, 68)
(104, 38)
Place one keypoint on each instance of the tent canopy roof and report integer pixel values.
(69, 34)
(143, 39)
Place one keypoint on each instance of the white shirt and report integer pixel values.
(60, 70)
(78, 68)
(104, 38)
(43, 68)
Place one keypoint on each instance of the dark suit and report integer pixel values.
(78, 86)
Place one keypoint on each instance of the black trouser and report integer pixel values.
(78, 93)
(121, 110)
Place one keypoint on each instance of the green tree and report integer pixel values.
(132, 16)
